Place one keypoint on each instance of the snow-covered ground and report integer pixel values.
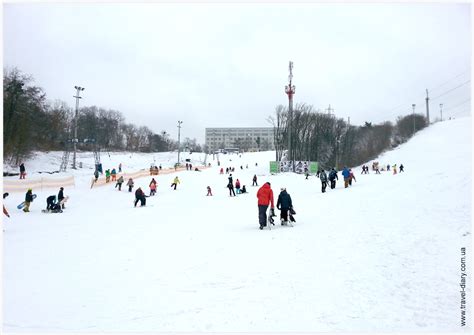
(383, 255)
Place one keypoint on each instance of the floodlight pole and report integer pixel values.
(77, 96)
(290, 91)
(179, 137)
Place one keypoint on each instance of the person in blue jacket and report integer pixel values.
(346, 174)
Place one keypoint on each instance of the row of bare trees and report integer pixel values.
(31, 122)
(333, 142)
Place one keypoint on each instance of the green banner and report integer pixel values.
(313, 167)
(274, 167)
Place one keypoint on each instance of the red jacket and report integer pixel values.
(265, 195)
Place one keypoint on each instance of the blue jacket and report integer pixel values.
(346, 173)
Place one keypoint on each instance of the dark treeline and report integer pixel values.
(333, 142)
(31, 123)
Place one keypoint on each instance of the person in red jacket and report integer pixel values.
(265, 198)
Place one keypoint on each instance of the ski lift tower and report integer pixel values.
(290, 91)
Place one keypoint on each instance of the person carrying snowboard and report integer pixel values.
(284, 204)
(130, 184)
(324, 180)
(175, 182)
(28, 200)
(140, 196)
(333, 177)
(119, 183)
(265, 198)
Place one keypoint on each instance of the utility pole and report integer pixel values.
(329, 109)
(290, 91)
(413, 105)
(441, 111)
(77, 96)
(427, 107)
(179, 137)
(349, 120)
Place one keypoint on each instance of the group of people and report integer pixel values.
(265, 199)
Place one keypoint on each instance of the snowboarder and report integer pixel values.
(175, 182)
(61, 196)
(284, 204)
(119, 183)
(22, 171)
(140, 196)
(324, 180)
(28, 200)
(209, 191)
(130, 184)
(401, 167)
(152, 187)
(254, 180)
(333, 177)
(244, 190)
(346, 175)
(4, 209)
(265, 198)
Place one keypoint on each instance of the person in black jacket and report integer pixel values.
(140, 196)
(324, 180)
(333, 177)
(61, 196)
(284, 204)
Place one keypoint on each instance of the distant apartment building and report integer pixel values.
(245, 139)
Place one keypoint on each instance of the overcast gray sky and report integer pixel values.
(226, 65)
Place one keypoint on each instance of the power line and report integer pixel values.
(455, 88)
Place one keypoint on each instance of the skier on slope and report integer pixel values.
(265, 198)
(333, 177)
(324, 180)
(284, 204)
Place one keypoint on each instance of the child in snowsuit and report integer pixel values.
(237, 186)
(140, 196)
(175, 182)
(284, 204)
(152, 187)
(351, 176)
(130, 184)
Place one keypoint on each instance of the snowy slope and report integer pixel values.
(383, 255)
